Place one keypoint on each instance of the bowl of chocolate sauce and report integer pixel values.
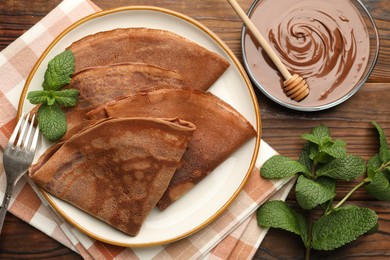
(332, 44)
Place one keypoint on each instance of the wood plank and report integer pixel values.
(20, 240)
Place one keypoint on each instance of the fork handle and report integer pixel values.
(4, 206)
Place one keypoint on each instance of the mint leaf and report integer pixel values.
(373, 166)
(323, 149)
(384, 152)
(279, 166)
(336, 149)
(348, 167)
(59, 71)
(315, 139)
(277, 214)
(304, 157)
(342, 226)
(379, 187)
(37, 97)
(321, 131)
(311, 193)
(51, 121)
(66, 97)
(311, 138)
(42, 96)
(318, 155)
(313, 151)
(319, 135)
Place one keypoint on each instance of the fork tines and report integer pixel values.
(23, 131)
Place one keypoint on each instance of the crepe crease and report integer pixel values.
(115, 169)
(221, 130)
(98, 85)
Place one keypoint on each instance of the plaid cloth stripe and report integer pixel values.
(245, 239)
(234, 234)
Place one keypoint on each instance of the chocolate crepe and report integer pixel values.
(115, 169)
(199, 67)
(98, 85)
(220, 130)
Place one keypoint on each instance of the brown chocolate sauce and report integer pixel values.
(324, 41)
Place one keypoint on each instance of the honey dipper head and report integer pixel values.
(296, 88)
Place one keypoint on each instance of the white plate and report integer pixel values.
(214, 194)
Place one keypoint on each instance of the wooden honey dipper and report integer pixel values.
(294, 86)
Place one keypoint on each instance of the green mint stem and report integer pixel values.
(349, 194)
(384, 165)
(311, 217)
(313, 170)
(309, 238)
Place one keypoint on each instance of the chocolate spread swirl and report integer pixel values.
(324, 41)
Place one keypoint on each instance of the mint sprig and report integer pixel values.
(322, 162)
(51, 119)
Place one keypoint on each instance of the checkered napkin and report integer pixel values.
(234, 234)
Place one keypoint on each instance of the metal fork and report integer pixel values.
(18, 156)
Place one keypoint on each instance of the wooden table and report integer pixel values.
(281, 127)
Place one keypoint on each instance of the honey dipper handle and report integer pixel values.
(264, 44)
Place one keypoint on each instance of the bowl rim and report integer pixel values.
(334, 103)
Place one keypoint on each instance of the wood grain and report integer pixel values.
(282, 127)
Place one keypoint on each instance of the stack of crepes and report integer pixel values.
(144, 130)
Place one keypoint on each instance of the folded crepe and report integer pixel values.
(115, 169)
(199, 67)
(220, 130)
(98, 85)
